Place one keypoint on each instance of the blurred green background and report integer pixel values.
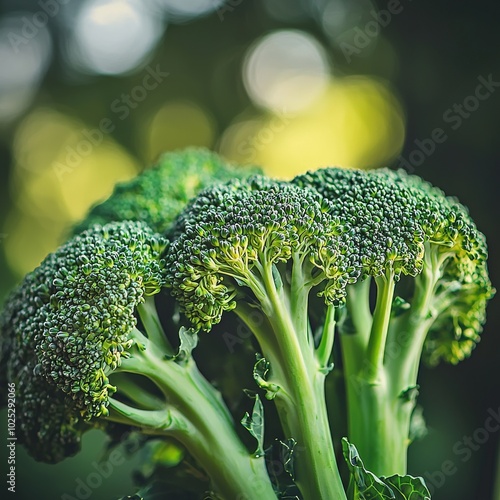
(91, 91)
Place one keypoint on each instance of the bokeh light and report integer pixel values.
(50, 191)
(183, 10)
(113, 36)
(176, 125)
(357, 122)
(24, 62)
(285, 71)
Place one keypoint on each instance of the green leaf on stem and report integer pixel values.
(254, 424)
(260, 373)
(367, 486)
(188, 341)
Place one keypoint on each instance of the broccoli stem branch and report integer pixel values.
(380, 325)
(149, 317)
(301, 403)
(299, 302)
(324, 350)
(373, 415)
(136, 393)
(380, 407)
(196, 416)
(410, 330)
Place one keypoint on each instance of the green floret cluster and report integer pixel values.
(45, 425)
(98, 280)
(340, 275)
(232, 235)
(158, 195)
(426, 260)
(384, 230)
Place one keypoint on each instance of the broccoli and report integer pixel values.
(158, 194)
(258, 247)
(426, 261)
(361, 274)
(85, 347)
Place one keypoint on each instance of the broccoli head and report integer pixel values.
(158, 194)
(425, 261)
(86, 348)
(46, 425)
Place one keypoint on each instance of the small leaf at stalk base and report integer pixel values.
(260, 373)
(188, 341)
(408, 487)
(288, 456)
(367, 486)
(254, 424)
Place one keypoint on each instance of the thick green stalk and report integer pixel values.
(380, 395)
(199, 421)
(375, 427)
(304, 412)
(372, 414)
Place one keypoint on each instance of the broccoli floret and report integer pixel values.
(427, 261)
(47, 425)
(98, 282)
(92, 349)
(258, 247)
(44, 423)
(158, 194)
(455, 273)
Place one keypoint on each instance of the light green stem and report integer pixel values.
(372, 414)
(304, 413)
(325, 347)
(197, 420)
(149, 317)
(380, 326)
